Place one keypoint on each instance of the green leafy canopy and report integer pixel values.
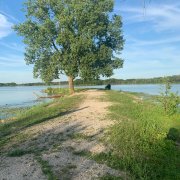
(76, 37)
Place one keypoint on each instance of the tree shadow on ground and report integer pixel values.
(63, 159)
(24, 123)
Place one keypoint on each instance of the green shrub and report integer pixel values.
(168, 99)
(55, 91)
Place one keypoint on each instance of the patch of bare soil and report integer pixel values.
(16, 168)
(60, 143)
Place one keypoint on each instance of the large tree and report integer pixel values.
(75, 37)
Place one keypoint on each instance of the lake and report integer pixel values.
(152, 89)
(21, 96)
(18, 97)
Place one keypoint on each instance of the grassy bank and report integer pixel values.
(9, 112)
(62, 91)
(143, 140)
(36, 115)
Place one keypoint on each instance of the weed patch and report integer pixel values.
(140, 141)
(110, 177)
(80, 136)
(19, 152)
(46, 168)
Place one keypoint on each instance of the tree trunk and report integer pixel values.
(71, 84)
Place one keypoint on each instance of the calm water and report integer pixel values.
(152, 89)
(20, 95)
(25, 96)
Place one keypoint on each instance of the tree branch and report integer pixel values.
(55, 46)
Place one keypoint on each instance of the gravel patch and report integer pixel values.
(20, 168)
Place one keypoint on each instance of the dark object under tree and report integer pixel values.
(108, 87)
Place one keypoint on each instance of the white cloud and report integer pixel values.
(5, 26)
(13, 46)
(12, 61)
(12, 18)
(163, 17)
(162, 54)
(164, 41)
(141, 62)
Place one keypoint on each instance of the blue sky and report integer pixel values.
(152, 36)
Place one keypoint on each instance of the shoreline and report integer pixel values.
(11, 110)
(79, 85)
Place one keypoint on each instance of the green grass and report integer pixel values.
(79, 136)
(83, 153)
(63, 91)
(36, 115)
(18, 152)
(7, 113)
(46, 168)
(110, 177)
(107, 158)
(139, 139)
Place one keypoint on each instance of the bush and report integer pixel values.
(168, 99)
(55, 91)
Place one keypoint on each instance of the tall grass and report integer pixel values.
(139, 139)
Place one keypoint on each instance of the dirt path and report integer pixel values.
(61, 143)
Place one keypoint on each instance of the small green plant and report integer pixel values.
(168, 99)
(18, 153)
(46, 168)
(54, 91)
(79, 136)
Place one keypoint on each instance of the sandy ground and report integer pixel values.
(61, 141)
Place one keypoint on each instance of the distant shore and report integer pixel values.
(79, 82)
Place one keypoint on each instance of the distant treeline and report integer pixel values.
(8, 84)
(159, 80)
